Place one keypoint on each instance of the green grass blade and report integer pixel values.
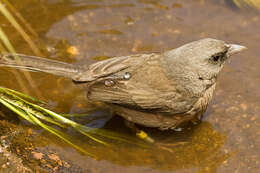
(21, 104)
(12, 20)
(35, 113)
(74, 115)
(2, 48)
(28, 114)
(88, 130)
(54, 115)
(92, 133)
(59, 134)
(14, 109)
(24, 96)
(5, 40)
(71, 123)
(92, 137)
(113, 135)
(10, 48)
(20, 17)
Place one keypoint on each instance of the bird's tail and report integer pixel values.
(33, 63)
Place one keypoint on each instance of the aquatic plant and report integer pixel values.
(27, 108)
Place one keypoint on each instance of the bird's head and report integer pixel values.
(200, 60)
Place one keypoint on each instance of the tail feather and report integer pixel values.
(33, 63)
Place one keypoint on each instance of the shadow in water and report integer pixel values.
(198, 147)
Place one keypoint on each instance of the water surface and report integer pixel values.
(85, 31)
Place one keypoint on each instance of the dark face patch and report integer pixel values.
(218, 58)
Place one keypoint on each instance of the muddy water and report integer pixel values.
(84, 31)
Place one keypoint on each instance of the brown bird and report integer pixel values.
(160, 90)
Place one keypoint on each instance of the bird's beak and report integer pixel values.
(234, 48)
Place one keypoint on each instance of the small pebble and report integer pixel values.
(244, 115)
(253, 118)
(73, 50)
(243, 106)
(37, 155)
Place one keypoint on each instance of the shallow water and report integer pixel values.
(84, 31)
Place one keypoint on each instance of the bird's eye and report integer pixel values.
(216, 58)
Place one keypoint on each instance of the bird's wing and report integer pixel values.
(105, 68)
(147, 88)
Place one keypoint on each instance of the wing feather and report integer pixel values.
(102, 68)
(147, 89)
